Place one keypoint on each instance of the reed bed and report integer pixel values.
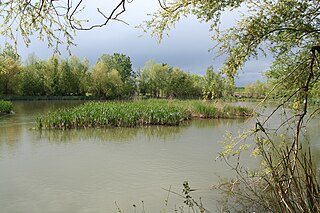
(215, 110)
(114, 114)
(5, 106)
(129, 114)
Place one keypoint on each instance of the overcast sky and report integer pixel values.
(186, 47)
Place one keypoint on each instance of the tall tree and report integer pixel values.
(105, 82)
(10, 69)
(154, 78)
(33, 76)
(119, 62)
(180, 84)
(213, 85)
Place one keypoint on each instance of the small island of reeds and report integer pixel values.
(136, 113)
(5, 107)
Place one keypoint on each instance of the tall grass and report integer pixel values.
(5, 106)
(114, 114)
(129, 114)
(207, 109)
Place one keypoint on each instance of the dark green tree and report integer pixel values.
(33, 77)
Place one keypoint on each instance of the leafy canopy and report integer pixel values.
(282, 28)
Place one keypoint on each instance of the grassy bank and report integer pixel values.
(5, 106)
(135, 113)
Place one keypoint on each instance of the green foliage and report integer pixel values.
(113, 77)
(255, 90)
(154, 79)
(160, 80)
(208, 109)
(106, 83)
(33, 77)
(114, 114)
(181, 84)
(131, 114)
(205, 110)
(285, 181)
(43, 18)
(119, 62)
(213, 85)
(9, 71)
(5, 106)
(286, 29)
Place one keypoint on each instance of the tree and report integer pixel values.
(213, 85)
(179, 84)
(154, 79)
(119, 62)
(9, 71)
(256, 90)
(288, 30)
(80, 72)
(122, 64)
(106, 83)
(277, 27)
(145, 82)
(53, 20)
(33, 77)
(52, 81)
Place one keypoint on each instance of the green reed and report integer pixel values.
(5, 106)
(114, 114)
(126, 114)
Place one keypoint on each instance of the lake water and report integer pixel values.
(88, 170)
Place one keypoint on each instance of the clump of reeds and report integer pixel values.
(114, 114)
(5, 106)
(204, 109)
(132, 114)
(229, 111)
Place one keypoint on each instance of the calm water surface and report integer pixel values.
(89, 170)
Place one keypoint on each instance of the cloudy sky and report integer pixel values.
(186, 47)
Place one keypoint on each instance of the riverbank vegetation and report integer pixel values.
(111, 77)
(5, 106)
(136, 113)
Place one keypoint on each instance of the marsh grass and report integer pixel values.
(5, 106)
(211, 109)
(114, 114)
(132, 114)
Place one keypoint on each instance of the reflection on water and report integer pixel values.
(14, 127)
(10, 137)
(108, 134)
(204, 123)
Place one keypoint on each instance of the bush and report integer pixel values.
(5, 106)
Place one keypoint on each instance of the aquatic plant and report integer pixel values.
(128, 114)
(114, 114)
(5, 106)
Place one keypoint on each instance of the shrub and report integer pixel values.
(5, 106)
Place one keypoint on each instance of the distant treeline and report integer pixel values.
(111, 77)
